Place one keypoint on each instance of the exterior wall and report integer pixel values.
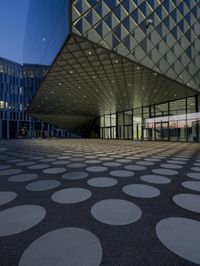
(161, 35)
(18, 84)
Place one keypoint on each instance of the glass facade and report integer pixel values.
(172, 121)
(18, 84)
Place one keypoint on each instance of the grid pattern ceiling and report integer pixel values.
(88, 80)
(169, 45)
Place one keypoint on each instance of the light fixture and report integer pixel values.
(116, 61)
(59, 83)
(89, 52)
(138, 68)
(94, 77)
(155, 74)
(71, 72)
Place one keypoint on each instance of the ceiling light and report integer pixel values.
(155, 74)
(59, 84)
(94, 77)
(89, 52)
(71, 72)
(138, 68)
(116, 61)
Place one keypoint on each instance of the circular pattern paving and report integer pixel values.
(190, 202)
(23, 177)
(5, 166)
(61, 162)
(96, 169)
(144, 163)
(155, 179)
(122, 173)
(75, 175)
(65, 246)
(38, 166)
(175, 162)
(102, 182)
(25, 163)
(54, 170)
(197, 169)
(164, 171)
(141, 191)
(181, 236)
(171, 166)
(116, 212)
(10, 172)
(76, 165)
(6, 197)
(112, 164)
(71, 195)
(20, 218)
(42, 185)
(194, 175)
(135, 167)
(193, 185)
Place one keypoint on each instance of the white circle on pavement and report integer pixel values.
(6, 197)
(112, 164)
(10, 171)
(171, 166)
(5, 166)
(96, 169)
(181, 236)
(194, 175)
(75, 175)
(38, 166)
(71, 195)
(42, 185)
(65, 246)
(164, 171)
(155, 179)
(193, 185)
(102, 182)
(54, 170)
(190, 202)
(23, 177)
(121, 173)
(135, 167)
(141, 191)
(20, 218)
(116, 212)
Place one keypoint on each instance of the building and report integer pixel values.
(18, 84)
(124, 69)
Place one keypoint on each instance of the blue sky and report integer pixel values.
(13, 15)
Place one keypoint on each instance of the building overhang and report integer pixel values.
(87, 80)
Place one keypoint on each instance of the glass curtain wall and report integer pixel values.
(177, 120)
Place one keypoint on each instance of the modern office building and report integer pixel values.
(18, 84)
(125, 69)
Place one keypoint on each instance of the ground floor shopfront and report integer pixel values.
(171, 121)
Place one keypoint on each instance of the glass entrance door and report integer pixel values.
(162, 131)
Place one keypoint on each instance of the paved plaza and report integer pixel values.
(88, 202)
